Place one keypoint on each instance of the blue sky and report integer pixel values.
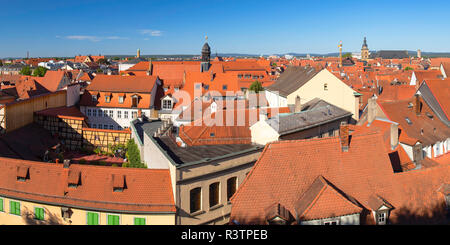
(68, 28)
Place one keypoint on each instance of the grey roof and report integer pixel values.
(390, 54)
(149, 127)
(292, 79)
(316, 112)
(191, 154)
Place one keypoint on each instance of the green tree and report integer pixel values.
(103, 61)
(25, 71)
(99, 70)
(408, 68)
(116, 58)
(133, 156)
(256, 87)
(347, 55)
(1, 63)
(40, 71)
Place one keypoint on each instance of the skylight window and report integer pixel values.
(408, 121)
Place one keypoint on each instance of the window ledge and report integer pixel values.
(197, 213)
(217, 206)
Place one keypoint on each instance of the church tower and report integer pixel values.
(206, 56)
(365, 51)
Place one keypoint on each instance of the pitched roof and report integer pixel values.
(292, 79)
(147, 190)
(117, 83)
(52, 80)
(427, 130)
(287, 169)
(322, 200)
(319, 112)
(441, 91)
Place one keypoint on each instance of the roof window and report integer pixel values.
(74, 179)
(408, 120)
(23, 173)
(119, 183)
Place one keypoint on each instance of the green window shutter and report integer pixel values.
(139, 221)
(92, 219)
(113, 219)
(14, 207)
(39, 213)
(1, 205)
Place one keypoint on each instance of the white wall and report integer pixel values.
(263, 133)
(352, 219)
(123, 122)
(275, 100)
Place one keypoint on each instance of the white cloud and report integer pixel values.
(92, 38)
(153, 33)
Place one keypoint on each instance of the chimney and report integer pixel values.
(344, 136)
(66, 163)
(138, 53)
(418, 155)
(394, 135)
(417, 104)
(298, 104)
(150, 68)
(57, 160)
(371, 109)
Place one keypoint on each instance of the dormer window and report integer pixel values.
(119, 183)
(74, 179)
(107, 98)
(167, 104)
(224, 87)
(121, 99)
(380, 209)
(94, 98)
(135, 100)
(23, 173)
(206, 87)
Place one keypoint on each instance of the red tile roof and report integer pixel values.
(287, 169)
(147, 190)
(63, 112)
(124, 84)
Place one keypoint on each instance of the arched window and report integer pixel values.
(196, 200)
(214, 194)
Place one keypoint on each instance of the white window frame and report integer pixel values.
(331, 221)
(94, 112)
(119, 114)
(121, 99)
(111, 113)
(167, 101)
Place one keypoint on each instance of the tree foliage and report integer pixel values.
(40, 71)
(133, 156)
(103, 61)
(408, 68)
(256, 87)
(347, 55)
(1, 63)
(25, 71)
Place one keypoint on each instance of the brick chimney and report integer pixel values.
(371, 109)
(417, 104)
(298, 104)
(394, 135)
(344, 136)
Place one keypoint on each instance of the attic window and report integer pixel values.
(119, 184)
(408, 120)
(325, 87)
(212, 134)
(107, 98)
(410, 105)
(121, 99)
(74, 179)
(94, 98)
(224, 87)
(429, 115)
(23, 173)
(206, 87)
